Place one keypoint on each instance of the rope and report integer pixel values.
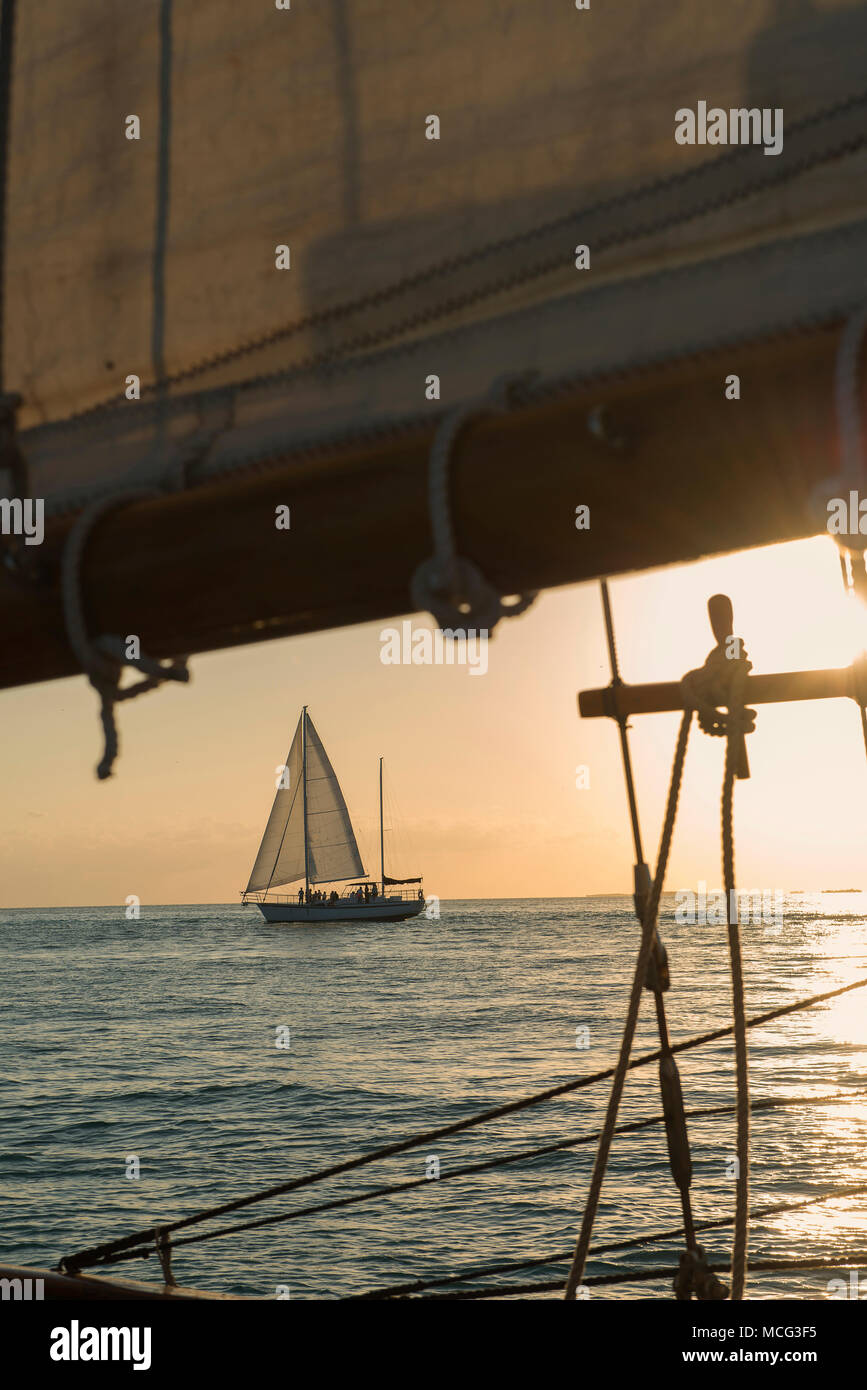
(658, 977)
(848, 405)
(673, 1234)
(101, 1253)
(469, 1170)
(103, 660)
(638, 980)
(643, 1276)
(734, 736)
(853, 473)
(452, 588)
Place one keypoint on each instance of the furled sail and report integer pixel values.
(332, 852)
(241, 238)
(281, 853)
(433, 222)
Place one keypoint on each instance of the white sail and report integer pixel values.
(331, 847)
(281, 853)
(332, 853)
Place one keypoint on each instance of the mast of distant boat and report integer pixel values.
(381, 837)
(304, 784)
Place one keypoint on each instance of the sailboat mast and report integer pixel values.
(304, 784)
(381, 837)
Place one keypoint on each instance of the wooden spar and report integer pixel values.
(683, 473)
(665, 696)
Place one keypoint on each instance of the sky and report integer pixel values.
(480, 768)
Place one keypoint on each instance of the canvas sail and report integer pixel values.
(332, 850)
(281, 853)
(306, 127)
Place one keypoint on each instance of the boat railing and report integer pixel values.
(391, 895)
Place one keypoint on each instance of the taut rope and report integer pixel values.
(734, 735)
(113, 1251)
(638, 980)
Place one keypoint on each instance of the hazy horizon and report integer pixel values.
(481, 767)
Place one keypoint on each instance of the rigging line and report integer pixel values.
(649, 1275)
(644, 956)
(444, 306)
(561, 1256)
(97, 1253)
(848, 405)
(658, 979)
(299, 451)
(621, 724)
(469, 1170)
(734, 738)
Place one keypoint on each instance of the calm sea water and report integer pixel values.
(156, 1038)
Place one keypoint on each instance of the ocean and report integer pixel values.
(155, 1040)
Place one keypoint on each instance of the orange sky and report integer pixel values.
(483, 767)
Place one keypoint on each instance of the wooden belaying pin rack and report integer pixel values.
(619, 700)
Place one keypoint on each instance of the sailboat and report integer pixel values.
(633, 283)
(309, 837)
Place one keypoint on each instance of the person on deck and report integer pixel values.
(300, 895)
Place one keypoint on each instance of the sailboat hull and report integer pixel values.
(299, 914)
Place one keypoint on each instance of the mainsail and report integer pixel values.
(331, 848)
(332, 853)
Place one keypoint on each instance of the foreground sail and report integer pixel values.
(309, 836)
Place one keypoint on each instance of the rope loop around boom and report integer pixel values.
(447, 585)
(104, 658)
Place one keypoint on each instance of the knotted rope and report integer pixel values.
(164, 1251)
(103, 659)
(647, 933)
(721, 681)
(447, 585)
(734, 738)
(695, 1277)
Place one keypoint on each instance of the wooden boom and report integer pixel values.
(663, 696)
(683, 473)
